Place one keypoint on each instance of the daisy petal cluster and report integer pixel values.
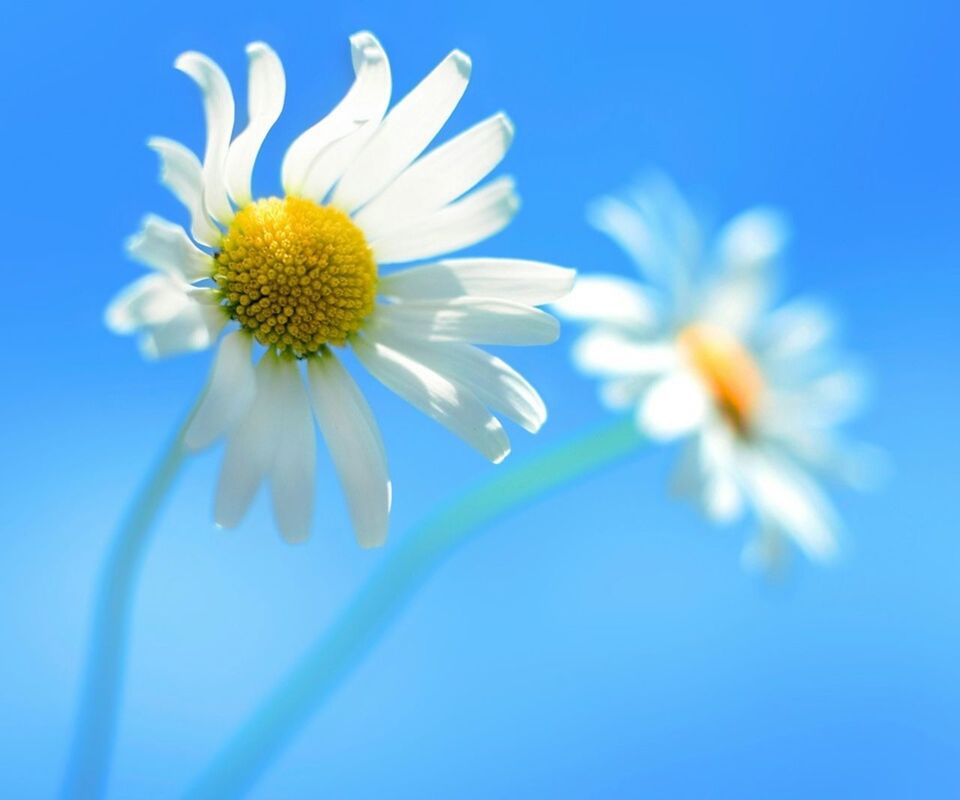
(701, 352)
(280, 285)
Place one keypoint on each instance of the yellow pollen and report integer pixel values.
(728, 370)
(295, 274)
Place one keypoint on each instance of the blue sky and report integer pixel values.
(604, 642)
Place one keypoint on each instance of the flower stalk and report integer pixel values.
(96, 722)
(412, 561)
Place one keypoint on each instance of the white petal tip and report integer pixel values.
(185, 60)
(534, 424)
(372, 542)
(148, 349)
(569, 279)
(553, 333)
(132, 243)
(826, 553)
(255, 48)
(362, 39)
(463, 62)
(597, 214)
(365, 44)
(508, 127)
(500, 457)
(113, 321)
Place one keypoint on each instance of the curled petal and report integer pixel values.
(265, 95)
(219, 111)
(182, 173)
(318, 157)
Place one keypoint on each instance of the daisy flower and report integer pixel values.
(281, 285)
(699, 352)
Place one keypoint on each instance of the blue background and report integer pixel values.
(604, 642)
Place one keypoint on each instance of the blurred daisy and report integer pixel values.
(292, 279)
(699, 353)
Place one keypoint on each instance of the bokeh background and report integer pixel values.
(604, 642)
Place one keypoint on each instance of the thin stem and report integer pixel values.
(271, 726)
(96, 722)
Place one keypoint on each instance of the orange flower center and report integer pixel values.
(728, 370)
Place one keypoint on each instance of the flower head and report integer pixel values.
(700, 352)
(280, 284)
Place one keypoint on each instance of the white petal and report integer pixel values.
(820, 402)
(752, 239)
(722, 499)
(736, 301)
(657, 229)
(622, 393)
(625, 225)
(354, 442)
(675, 232)
(265, 94)
(181, 172)
(171, 316)
(609, 300)
(744, 285)
(709, 474)
(165, 246)
(675, 405)
(196, 327)
(405, 132)
(318, 157)
(455, 408)
(605, 351)
(294, 463)
(836, 396)
(796, 331)
(151, 300)
(788, 499)
(439, 177)
(229, 393)
(476, 217)
(528, 282)
(250, 448)
(864, 467)
(219, 111)
(469, 319)
(497, 385)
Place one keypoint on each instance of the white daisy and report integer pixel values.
(698, 352)
(295, 278)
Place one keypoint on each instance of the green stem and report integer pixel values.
(264, 734)
(96, 722)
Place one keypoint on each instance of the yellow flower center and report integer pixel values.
(727, 369)
(295, 274)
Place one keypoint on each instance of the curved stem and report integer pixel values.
(265, 732)
(96, 721)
